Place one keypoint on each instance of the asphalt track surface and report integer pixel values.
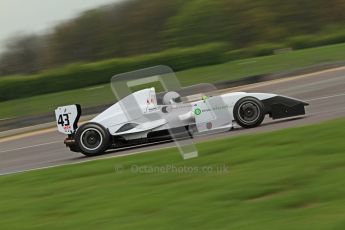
(324, 91)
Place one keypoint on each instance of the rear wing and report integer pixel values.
(67, 118)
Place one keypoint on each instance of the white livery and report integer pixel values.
(145, 117)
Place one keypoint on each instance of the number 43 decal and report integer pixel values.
(63, 120)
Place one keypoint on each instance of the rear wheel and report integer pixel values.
(249, 112)
(92, 139)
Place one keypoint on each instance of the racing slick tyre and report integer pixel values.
(249, 112)
(92, 139)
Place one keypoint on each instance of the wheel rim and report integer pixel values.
(91, 139)
(248, 112)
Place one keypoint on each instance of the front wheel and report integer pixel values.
(249, 112)
(92, 139)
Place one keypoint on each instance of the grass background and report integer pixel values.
(101, 94)
(290, 179)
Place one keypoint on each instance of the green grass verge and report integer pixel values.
(215, 73)
(80, 75)
(290, 179)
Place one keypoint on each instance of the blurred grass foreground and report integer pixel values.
(290, 179)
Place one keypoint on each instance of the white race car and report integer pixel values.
(146, 117)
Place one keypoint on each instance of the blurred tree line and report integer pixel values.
(136, 27)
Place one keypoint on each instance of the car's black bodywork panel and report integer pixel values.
(281, 107)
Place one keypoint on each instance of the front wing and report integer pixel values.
(281, 107)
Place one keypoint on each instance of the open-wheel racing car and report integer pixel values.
(144, 117)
